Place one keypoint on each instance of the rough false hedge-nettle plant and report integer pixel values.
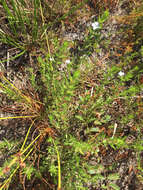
(75, 127)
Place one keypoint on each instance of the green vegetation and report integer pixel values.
(77, 108)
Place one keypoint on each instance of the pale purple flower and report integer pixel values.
(67, 61)
(95, 25)
(51, 59)
(121, 73)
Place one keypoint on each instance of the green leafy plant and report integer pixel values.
(72, 110)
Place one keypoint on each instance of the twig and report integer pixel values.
(115, 127)
(91, 91)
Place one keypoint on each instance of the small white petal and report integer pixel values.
(51, 59)
(95, 25)
(67, 61)
(121, 73)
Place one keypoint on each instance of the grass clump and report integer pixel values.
(26, 24)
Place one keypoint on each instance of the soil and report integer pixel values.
(125, 160)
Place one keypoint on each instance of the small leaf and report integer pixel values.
(76, 74)
(97, 122)
(94, 129)
(81, 98)
(104, 17)
(92, 172)
(114, 186)
(79, 117)
(113, 176)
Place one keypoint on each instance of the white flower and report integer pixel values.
(95, 25)
(51, 59)
(121, 73)
(67, 61)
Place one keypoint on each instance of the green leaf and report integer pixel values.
(79, 117)
(81, 98)
(104, 17)
(29, 171)
(92, 171)
(114, 186)
(128, 76)
(95, 129)
(113, 176)
(114, 69)
(97, 122)
(76, 74)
